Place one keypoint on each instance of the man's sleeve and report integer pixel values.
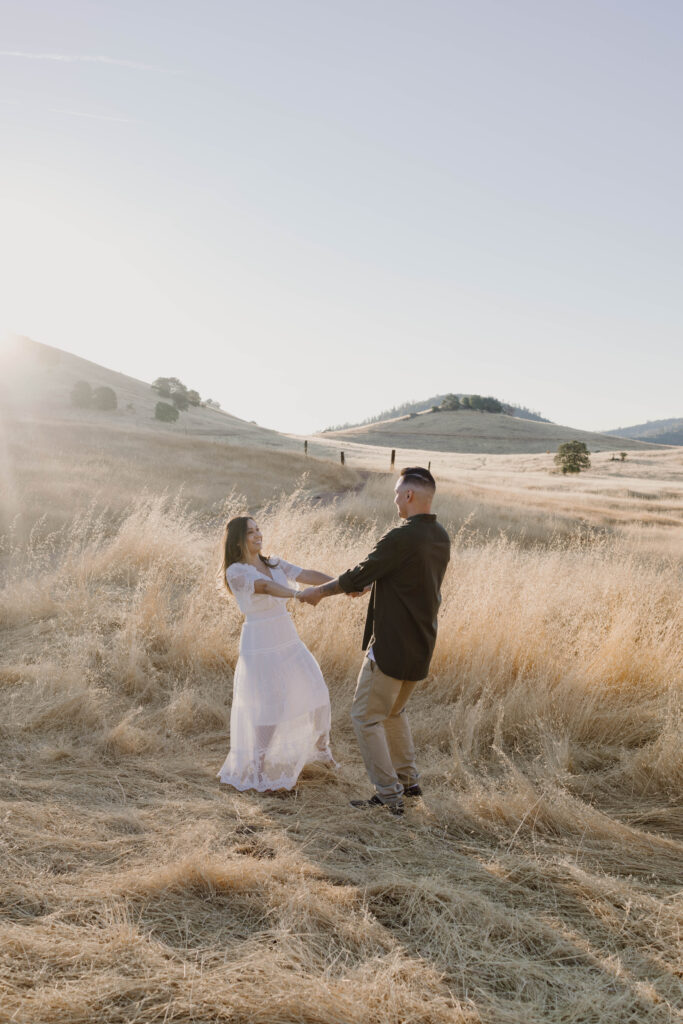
(384, 557)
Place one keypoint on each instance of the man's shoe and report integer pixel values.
(411, 791)
(374, 801)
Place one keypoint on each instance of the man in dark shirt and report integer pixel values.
(404, 572)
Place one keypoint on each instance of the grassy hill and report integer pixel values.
(468, 431)
(36, 382)
(427, 403)
(668, 431)
(56, 459)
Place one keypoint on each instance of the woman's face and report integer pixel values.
(253, 539)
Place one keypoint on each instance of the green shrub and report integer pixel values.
(162, 385)
(165, 412)
(450, 403)
(180, 399)
(104, 399)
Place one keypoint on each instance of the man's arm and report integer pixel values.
(383, 557)
(386, 555)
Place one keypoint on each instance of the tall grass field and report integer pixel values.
(539, 880)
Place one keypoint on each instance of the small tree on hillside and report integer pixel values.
(165, 412)
(572, 457)
(162, 386)
(623, 455)
(174, 389)
(179, 397)
(450, 403)
(81, 394)
(104, 399)
(491, 404)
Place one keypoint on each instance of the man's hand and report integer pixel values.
(360, 593)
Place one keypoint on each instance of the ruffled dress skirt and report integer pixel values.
(280, 717)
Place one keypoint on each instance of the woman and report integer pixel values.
(280, 718)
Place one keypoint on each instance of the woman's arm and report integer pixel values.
(312, 578)
(274, 589)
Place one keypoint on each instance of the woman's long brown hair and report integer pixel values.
(234, 545)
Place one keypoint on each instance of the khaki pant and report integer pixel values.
(379, 718)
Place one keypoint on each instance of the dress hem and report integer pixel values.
(282, 783)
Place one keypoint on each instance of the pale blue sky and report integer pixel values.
(312, 211)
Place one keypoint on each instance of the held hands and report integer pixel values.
(313, 595)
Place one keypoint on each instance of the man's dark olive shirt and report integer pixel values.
(406, 569)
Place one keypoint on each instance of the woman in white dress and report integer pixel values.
(280, 717)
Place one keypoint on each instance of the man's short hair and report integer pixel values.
(419, 476)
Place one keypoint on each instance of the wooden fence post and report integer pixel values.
(429, 467)
(393, 457)
(342, 457)
(305, 447)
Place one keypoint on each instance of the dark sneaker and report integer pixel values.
(411, 791)
(374, 801)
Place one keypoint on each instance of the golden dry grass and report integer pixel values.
(538, 881)
(50, 470)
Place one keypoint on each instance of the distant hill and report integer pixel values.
(656, 431)
(406, 408)
(477, 432)
(36, 382)
(57, 458)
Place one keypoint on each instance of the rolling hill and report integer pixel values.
(475, 432)
(655, 431)
(36, 382)
(55, 458)
(426, 404)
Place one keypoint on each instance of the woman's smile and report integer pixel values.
(254, 538)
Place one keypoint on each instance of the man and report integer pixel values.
(405, 571)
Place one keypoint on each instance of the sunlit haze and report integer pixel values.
(312, 211)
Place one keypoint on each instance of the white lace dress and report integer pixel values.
(280, 717)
